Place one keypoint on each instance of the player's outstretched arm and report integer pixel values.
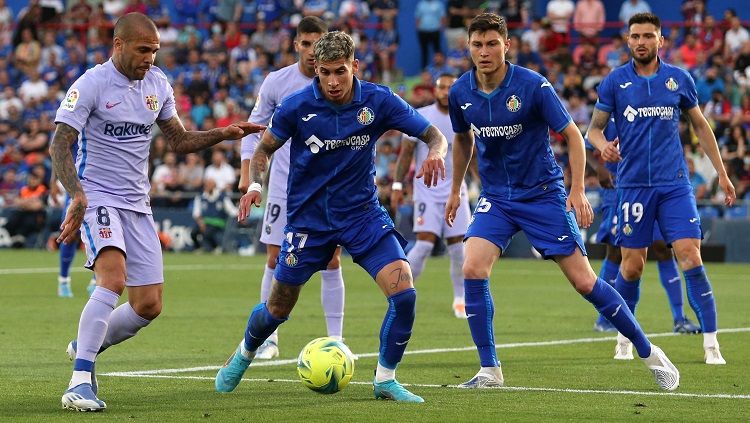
(258, 168)
(463, 147)
(405, 156)
(577, 198)
(65, 171)
(595, 134)
(708, 140)
(182, 141)
(433, 166)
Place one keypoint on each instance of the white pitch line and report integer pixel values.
(504, 388)
(424, 351)
(172, 267)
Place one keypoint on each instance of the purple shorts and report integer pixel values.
(131, 232)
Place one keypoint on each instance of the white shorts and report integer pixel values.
(274, 221)
(430, 217)
(131, 232)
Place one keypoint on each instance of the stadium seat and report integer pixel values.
(708, 212)
(737, 212)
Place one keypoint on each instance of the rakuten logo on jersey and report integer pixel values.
(355, 142)
(126, 130)
(507, 131)
(662, 112)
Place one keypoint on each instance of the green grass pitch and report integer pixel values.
(556, 368)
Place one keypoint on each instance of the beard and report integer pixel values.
(645, 59)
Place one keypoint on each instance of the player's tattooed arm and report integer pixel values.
(263, 152)
(433, 166)
(182, 141)
(595, 134)
(65, 170)
(62, 160)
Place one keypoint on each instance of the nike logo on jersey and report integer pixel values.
(706, 294)
(308, 117)
(617, 310)
(562, 238)
(111, 105)
(693, 220)
(546, 84)
(625, 85)
(465, 106)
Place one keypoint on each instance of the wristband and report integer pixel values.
(255, 187)
(397, 186)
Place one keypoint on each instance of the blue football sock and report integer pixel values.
(670, 280)
(609, 271)
(397, 325)
(67, 253)
(701, 298)
(609, 303)
(260, 326)
(629, 290)
(481, 310)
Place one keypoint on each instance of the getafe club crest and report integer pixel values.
(627, 229)
(671, 84)
(152, 103)
(513, 104)
(365, 116)
(291, 260)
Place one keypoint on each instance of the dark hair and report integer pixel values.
(645, 18)
(447, 75)
(311, 25)
(489, 22)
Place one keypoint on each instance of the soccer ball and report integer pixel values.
(325, 365)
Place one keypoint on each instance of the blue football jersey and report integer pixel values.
(647, 116)
(511, 130)
(332, 152)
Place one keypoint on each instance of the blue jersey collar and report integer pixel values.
(357, 98)
(658, 69)
(506, 81)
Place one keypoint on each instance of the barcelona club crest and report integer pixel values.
(291, 260)
(671, 84)
(105, 233)
(513, 104)
(152, 103)
(365, 116)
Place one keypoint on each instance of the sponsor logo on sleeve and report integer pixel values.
(71, 99)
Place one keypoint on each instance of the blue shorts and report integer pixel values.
(370, 238)
(641, 212)
(550, 229)
(607, 232)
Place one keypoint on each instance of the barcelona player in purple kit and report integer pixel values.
(508, 110)
(332, 200)
(645, 97)
(668, 272)
(109, 112)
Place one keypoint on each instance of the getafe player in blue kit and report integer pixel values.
(509, 110)
(646, 97)
(332, 200)
(668, 272)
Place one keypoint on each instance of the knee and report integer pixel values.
(632, 269)
(475, 270)
(584, 285)
(148, 308)
(690, 259)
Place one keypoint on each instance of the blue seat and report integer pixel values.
(737, 212)
(708, 212)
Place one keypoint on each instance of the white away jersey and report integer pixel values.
(440, 192)
(275, 87)
(114, 117)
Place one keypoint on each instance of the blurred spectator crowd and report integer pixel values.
(217, 53)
